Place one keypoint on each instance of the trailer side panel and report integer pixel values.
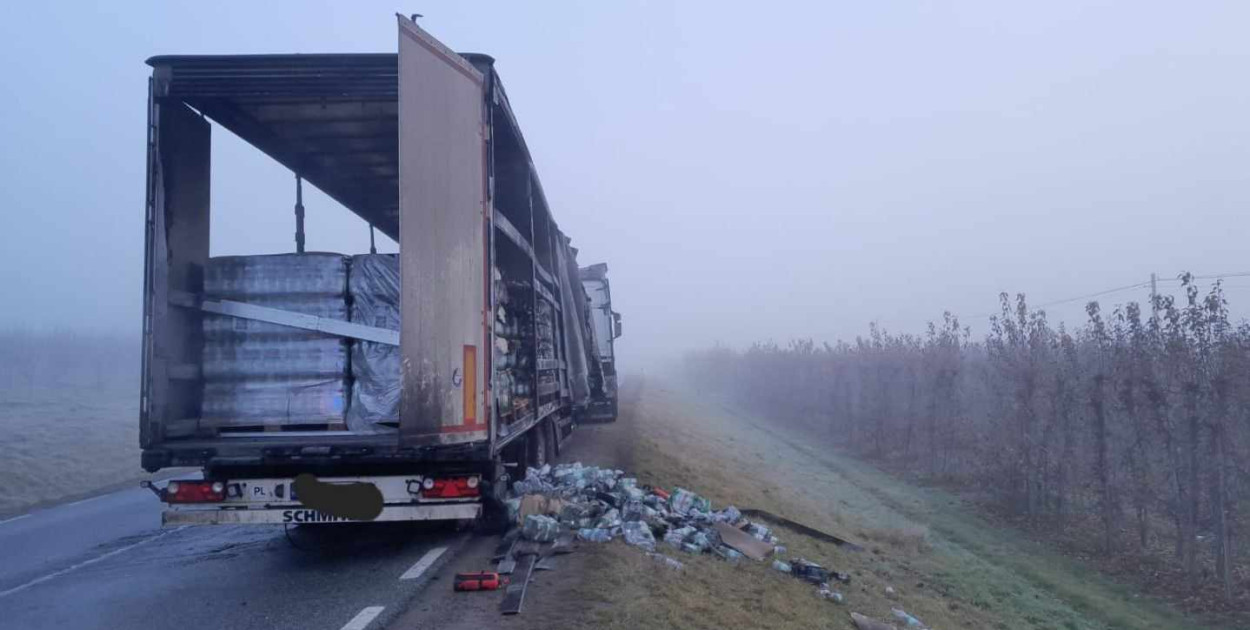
(443, 225)
(176, 251)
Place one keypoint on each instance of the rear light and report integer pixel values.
(195, 492)
(454, 488)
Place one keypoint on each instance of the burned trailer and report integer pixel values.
(603, 329)
(420, 373)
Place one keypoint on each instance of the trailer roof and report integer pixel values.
(597, 271)
(331, 118)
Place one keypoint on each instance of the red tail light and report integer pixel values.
(195, 492)
(454, 488)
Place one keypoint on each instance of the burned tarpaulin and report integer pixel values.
(374, 289)
(572, 307)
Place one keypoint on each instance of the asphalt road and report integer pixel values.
(105, 562)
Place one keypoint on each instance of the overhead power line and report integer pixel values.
(1127, 287)
(1139, 285)
(1214, 276)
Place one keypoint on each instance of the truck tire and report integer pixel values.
(553, 442)
(557, 437)
(539, 443)
(494, 519)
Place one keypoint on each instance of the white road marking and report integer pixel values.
(363, 618)
(424, 563)
(57, 574)
(15, 518)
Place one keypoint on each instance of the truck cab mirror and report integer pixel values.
(616, 324)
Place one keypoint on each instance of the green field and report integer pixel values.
(69, 410)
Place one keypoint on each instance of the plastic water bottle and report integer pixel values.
(594, 534)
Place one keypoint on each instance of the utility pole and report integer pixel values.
(1154, 298)
(373, 248)
(299, 214)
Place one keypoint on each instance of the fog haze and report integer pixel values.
(752, 171)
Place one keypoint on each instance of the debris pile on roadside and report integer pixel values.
(601, 505)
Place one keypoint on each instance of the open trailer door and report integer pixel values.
(444, 256)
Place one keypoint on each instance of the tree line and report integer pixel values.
(1134, 426)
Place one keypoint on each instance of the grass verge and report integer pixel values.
(947, 566)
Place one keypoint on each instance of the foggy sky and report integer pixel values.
(753, 171)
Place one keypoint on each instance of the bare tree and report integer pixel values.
(1145, 417)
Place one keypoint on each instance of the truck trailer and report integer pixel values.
(434, 375)
(606, 327)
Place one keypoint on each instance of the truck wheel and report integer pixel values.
(539, 443)
(553, 444)
(556, 437)
(494, 518)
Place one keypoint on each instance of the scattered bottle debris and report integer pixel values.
(669, 562)
(907, 619)
(610, 519)
(728, 554)
(601, 504)
(539, 528)
(676, 537)
(826, 593)
(806, 570)
(594, 534)
(683, 501)
(742, 541)
(637, 533)
(759, 532)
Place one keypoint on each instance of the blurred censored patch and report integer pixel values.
(357, 501)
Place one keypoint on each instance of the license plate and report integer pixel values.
(267, 491)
